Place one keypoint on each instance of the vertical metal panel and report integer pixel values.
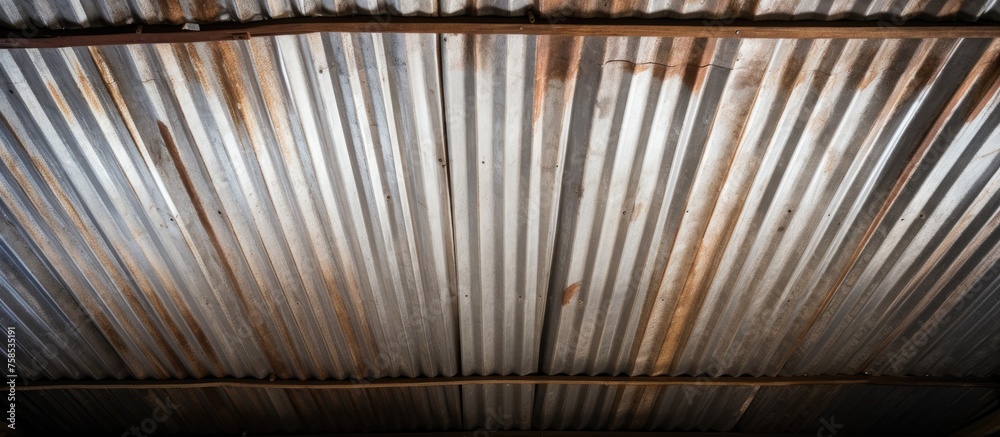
(503, 198)
(724, 207)
(240, 209)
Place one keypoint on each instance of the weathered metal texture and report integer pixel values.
(231, 411)
(54, 336)
(723, 206)
(95, 13)
(505, 187)
(889, 11)
(17, 14)
(278, 206)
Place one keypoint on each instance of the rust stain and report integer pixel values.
(709, 252)
(347, 327)
(930, 63)
(270, 348)
(990, 72)
(206, 11)
(116, 96)
(702, 50)
(190, 320)
(365, 327)
(868, 51)
(88, 91)
(558, 63)
(569, 292)
(171, 11)
(58, 97)
(227, 65)
(275, 102)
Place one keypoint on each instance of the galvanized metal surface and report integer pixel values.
(725, 207)
(622, 206)
(237, 209)
(352, 206)
(90, 13)
(849, 410)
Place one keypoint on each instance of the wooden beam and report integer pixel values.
(724, 381)
(36, 38)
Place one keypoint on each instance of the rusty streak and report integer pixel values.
(646, 381)
(153, 34)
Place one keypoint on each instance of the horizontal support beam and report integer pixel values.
(38, 38)
(645, 381)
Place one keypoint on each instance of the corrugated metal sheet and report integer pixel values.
(354, 206)
(89, 13)
(855, 410)
(236, 209)
(702, 201)
(283, 206)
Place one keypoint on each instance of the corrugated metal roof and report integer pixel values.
(729, 161)
(356, 206)
(747, 174)
(89, 13)
(238, 209)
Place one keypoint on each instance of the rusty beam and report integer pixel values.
(646, 381)
(152, 34)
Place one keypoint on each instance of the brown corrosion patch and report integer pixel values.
(570, 292)
(171, 11)
(558, 60)
(186, 313)
(57, 96)
(989, 70)
(867, 54)
(88, 91)
(205, 11)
